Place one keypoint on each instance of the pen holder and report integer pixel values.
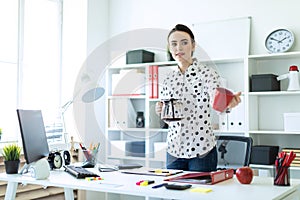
(90, 157)
(282, 176)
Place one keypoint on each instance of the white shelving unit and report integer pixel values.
(262, 111)
(266, 109)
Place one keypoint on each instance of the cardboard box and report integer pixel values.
(264, 154)
(264, 82)
(139, 56)
(291, 122)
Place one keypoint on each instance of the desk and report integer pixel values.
(117, 182)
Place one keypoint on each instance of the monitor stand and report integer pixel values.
(25, 169)
(39, 169)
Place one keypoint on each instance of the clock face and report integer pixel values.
(57, 161)
(280, 40)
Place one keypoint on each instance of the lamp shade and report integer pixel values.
(92, 94)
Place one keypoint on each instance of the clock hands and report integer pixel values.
(274, 39)
(279, 41)
(283, 39)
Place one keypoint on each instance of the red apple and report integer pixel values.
(244, 175)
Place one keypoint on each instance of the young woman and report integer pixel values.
(191, 141)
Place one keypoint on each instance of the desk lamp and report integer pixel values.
(88, 96)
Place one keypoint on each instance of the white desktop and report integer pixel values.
(121, 183)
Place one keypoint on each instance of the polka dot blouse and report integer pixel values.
(192, 136)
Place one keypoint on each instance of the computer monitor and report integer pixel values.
(34, 140)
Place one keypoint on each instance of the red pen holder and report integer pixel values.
(282, 176)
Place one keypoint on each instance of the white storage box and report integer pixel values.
(117, 148)
(160, 150)
(291, 122)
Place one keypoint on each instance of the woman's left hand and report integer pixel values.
(235, 100)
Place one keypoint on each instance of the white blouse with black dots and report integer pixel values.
(192, 136)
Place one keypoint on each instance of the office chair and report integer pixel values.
(233, 151)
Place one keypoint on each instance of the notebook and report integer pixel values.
(152, 172)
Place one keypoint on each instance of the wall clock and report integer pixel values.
(279, 41)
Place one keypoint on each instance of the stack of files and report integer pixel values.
(296, 161)
(157, 74)
(153, 82)
(236, 117)
(121, 113)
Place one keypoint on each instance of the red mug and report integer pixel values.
(222, 99)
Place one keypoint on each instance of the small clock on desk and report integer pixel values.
(55, 160)
(279, 41)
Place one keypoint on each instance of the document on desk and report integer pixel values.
(203, 177)
(152, 172)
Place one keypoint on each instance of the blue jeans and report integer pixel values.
(203, 164)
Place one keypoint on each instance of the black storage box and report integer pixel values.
(264, 154)
(264, 82)
(139, 56)
(135, 148)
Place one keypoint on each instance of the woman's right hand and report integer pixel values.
(158, 108)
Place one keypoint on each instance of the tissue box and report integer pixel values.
(264, 82)
(291, 122)
(264, 154)
(139, 56)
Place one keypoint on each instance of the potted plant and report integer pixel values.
(11, 154)
(0, 133)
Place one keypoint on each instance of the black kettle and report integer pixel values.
(172, 110)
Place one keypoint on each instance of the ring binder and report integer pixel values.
(204, 177)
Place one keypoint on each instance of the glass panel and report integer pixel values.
(8, 68)
(8, 89)
(41, 72)
(9, 31)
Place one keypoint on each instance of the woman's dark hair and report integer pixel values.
(183, 28)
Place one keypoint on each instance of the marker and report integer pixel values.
(82, 147)
(145, 182)
(160, 185)
(93, 178)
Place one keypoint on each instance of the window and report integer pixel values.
(30, 63)
(40, 66)
(8, 68)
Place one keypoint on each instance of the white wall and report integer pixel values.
(97, 33)
(108, 18)
(266, 15)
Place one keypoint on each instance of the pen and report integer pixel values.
(160, 185)
(82, 147)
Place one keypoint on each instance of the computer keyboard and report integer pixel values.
(79, 172)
